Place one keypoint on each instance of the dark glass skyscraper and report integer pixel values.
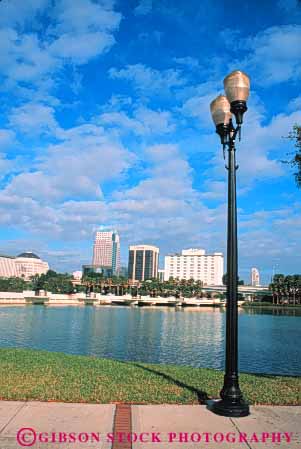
(143, 262)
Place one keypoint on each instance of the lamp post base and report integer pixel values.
(228, 408)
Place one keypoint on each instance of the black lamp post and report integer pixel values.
(237, 87)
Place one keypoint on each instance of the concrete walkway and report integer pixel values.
(61, 425)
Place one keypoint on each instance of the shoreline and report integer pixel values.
(272, 306)
(155, 303)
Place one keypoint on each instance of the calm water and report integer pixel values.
(269, 343)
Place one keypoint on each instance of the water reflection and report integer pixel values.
(268, 338)
(290, 311)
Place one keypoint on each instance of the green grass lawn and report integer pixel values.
(46, 376)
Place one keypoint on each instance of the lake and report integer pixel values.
(269, 342)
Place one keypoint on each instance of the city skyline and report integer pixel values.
(123, 264)
(105, 120)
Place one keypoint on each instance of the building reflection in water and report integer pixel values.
(195, 337)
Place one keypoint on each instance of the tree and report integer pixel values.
(286, 289)
(13, 284)
(53, 282)
(239, 281)
(295, 162)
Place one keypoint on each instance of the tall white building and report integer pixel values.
(255, 277)
(143, 262)
(106, 250)
(194, 264)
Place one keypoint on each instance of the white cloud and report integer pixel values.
(294, 104)
(275, 55)
(5, 166)
(214, 190)
(144, 121)
(164, 208)
(169, 176)
(20, 13)
(155, 122)
(122, 122)
(148, 80)
(84, 16)
(33, 185)
(83, 29)
(276, 233)
(76, 167)
(7, 138)
(187, 61)
(24, 57)
(33, 119)
(81, 48)
(78, 31)
(198, 107)
(261, 148)
(144, 7)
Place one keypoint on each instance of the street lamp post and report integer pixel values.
(237, 87)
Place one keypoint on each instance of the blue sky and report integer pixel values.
(104, 121)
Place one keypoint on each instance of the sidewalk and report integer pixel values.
(170, 426)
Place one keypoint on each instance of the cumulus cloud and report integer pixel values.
(24, 57)
(82, 171)
(276, 233)
(77, 32)
(263, 142)
(83, 29)
(197, 107)
(143, 121)
(275, 55)
(84, 15)
(75, 167)
(33, 119)
(148, 80)
(81, 48)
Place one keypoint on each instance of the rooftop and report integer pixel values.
(29, 255)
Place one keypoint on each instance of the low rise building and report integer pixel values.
(25, 265)
(7, 266)
(29, 264)
(106, 272)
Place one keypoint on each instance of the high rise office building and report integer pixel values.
(255, 277)
(106, 250)
(195, 264)
(143, 262)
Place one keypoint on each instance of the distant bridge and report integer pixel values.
(243, 289)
